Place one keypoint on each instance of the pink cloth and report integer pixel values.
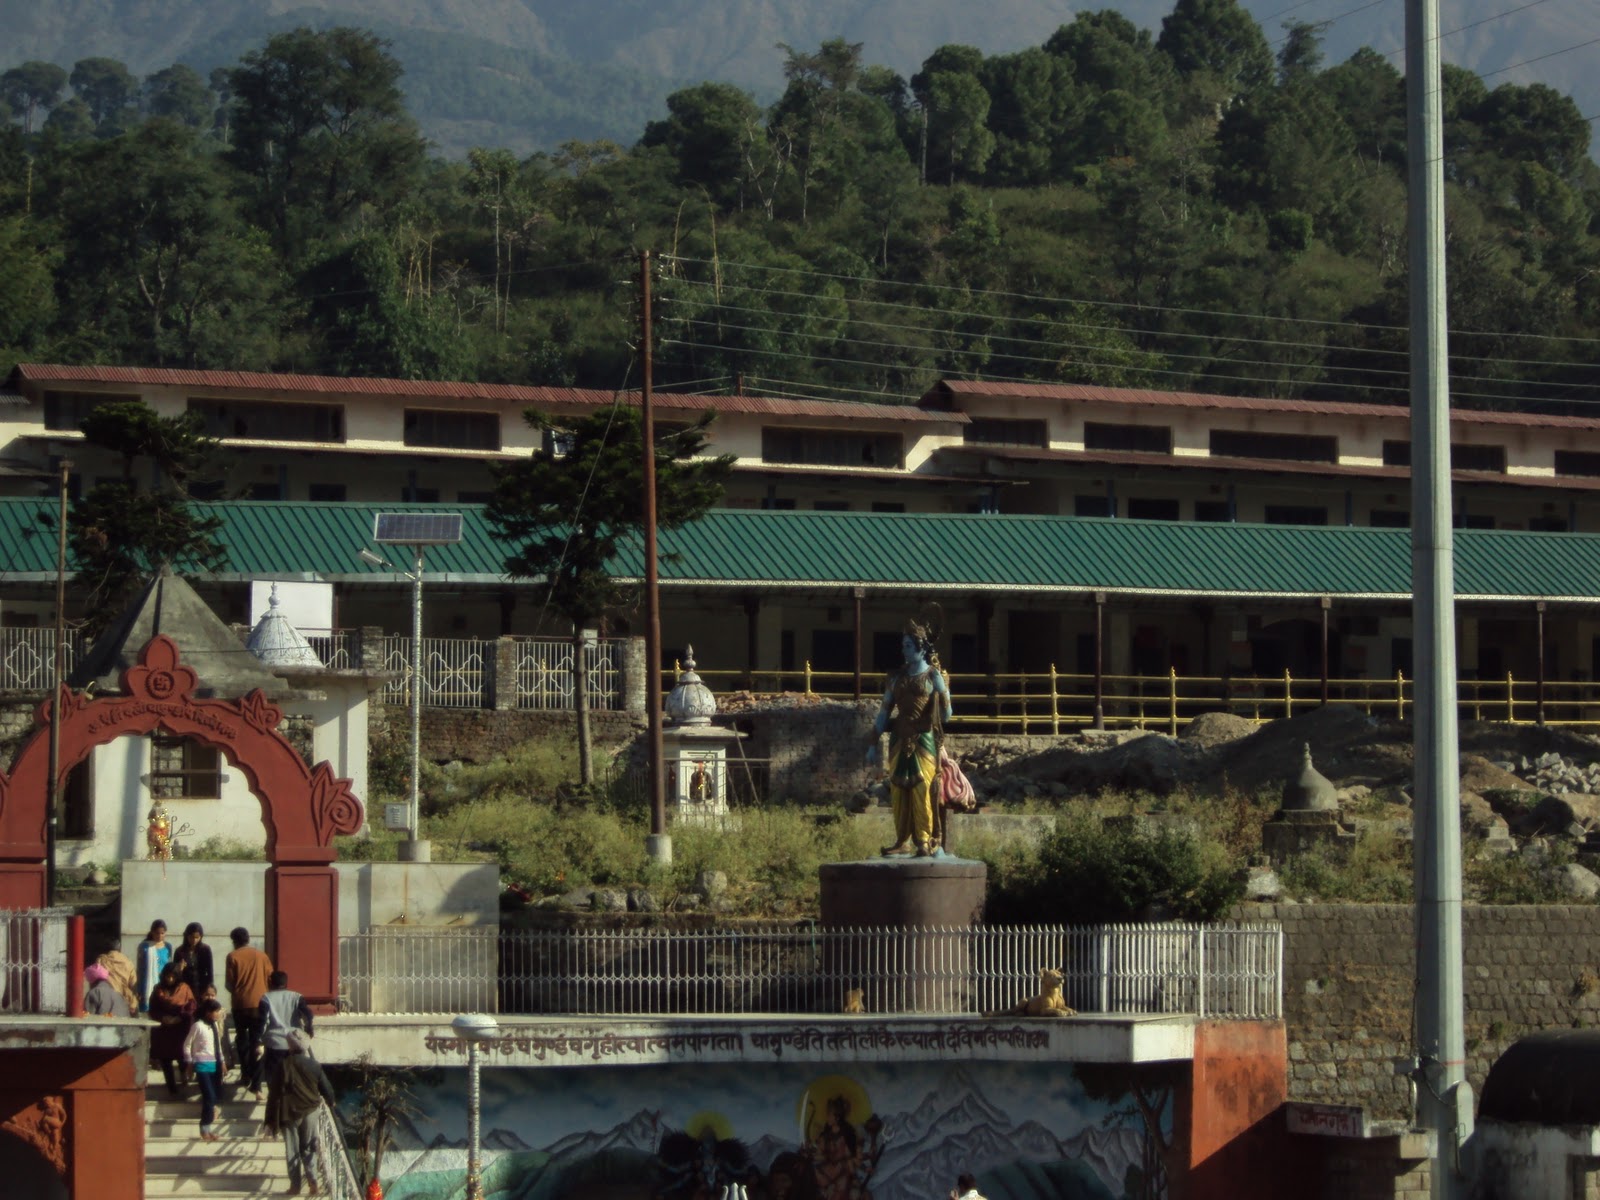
(94, 973)
(958, 793)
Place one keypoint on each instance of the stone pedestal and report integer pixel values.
(925, 968)
(1292, 833)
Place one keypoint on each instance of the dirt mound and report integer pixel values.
(1213, 729)
(1347, 746)
(1153, 763)
(1480, 775)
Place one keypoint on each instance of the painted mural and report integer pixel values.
(791, 1131)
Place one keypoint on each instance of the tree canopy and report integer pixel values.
(1211, 207)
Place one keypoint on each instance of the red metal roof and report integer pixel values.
(571, 399)
(1139, 397)
(1214, 462)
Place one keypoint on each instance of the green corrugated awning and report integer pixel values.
(900, 552)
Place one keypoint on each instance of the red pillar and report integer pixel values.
(303, 929)
(1236, 1135)
(74, 966)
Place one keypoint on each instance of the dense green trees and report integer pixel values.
(1209, 207)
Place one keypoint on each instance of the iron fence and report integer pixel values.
(1224, 970)
(545, 677)
(33, 960)
(28, 658)
(339, 649)
(456, 672)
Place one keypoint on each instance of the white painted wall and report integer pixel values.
(221, 895)
(1522, 1161)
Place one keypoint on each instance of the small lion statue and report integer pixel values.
(852, 1002)
(1049, 1002)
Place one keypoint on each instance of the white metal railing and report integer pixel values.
(28, 658)
(1224, 970)
(455, 671)
(33, 960)
(333, 1158)
(544, 673)
(339, 649)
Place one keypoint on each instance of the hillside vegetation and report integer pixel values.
(1207, 209)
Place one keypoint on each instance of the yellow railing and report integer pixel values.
(1052, 702)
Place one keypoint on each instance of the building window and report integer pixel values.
(1093, 506)
(66, 410)
(184, 770)
(1464, 456)
(1547, 524)
(830, 505)
(1144, 439)
(452, 430)
(832, 448)
(269, 421)
(1295, 514)
(1290, 447)
(474, 497)
(263, 491)
(412, 494)
(888, 506)
(1001, 431)
(1473, 521)
(1390, 518)
(1577, 462)
(1144, 508)
(326, 493)
(1212, 510)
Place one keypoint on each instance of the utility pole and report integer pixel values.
(1444, 1099)
(659, 844)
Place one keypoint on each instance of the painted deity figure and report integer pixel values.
(158, 832)
(916, 704)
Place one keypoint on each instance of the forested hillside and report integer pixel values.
(1202, 208)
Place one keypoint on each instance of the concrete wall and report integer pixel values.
(1514, 1161)
(221, 895)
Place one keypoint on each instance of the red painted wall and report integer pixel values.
(103, 1145)
(1235, 1123)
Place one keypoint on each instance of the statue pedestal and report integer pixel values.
(920, 963)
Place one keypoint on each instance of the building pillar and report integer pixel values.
(633, 682)
(303, 929)
(503, 679)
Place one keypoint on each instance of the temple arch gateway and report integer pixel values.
(302, 808)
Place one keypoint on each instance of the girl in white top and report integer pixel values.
(207, 1051)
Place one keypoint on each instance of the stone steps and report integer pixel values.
(244, 1162)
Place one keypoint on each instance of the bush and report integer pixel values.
(535, 770)
(1086, 873)
(1378, 871)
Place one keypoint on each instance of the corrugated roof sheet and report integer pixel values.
(948, 389)
(560, 399)
(907, 551)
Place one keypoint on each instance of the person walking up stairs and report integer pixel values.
(241, 1162)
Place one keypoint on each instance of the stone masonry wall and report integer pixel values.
(1348, 981)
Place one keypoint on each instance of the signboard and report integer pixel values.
(396, 817)
(1328, 1120)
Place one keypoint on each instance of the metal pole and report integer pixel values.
(418, 849)
(1445, 1100)
(857, 593)
(659, 843)
(1327, 603)
(474, 1183)
(58, 683)
(1099, 660)
(1538, 707)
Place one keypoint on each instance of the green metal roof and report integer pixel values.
(901, 552)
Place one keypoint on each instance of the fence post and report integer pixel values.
(504, 681)
(1511, 699)
(808, 677)
(1105, 970)
(1022, 700)
(1055, 703)
(74, 966)
(1400, 694)
(1288, 694)
(1172, 701)
(1200, 977)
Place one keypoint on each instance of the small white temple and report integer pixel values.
(696, 751)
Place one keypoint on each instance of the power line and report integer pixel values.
(1541, 58)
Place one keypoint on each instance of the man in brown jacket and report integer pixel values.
(247, 972)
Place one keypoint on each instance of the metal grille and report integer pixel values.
(333, 1157)
(455, 671)
(33, 959)
(339, 650)
(28, 658)
(1232, 970)
(545, 678)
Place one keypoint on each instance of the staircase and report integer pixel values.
(177, 1163)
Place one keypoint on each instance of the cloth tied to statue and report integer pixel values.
(955, 786)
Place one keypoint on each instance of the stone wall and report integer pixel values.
(1348, 979)
(817, 748)
(477, 735)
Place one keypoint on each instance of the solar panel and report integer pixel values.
(416, 529)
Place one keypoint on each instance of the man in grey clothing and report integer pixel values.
(293, 1097)
(282, 1011)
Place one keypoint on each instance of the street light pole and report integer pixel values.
(474, 1029)
(58, 683)
(420, 850)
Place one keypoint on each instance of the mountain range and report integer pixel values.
(529, 74)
